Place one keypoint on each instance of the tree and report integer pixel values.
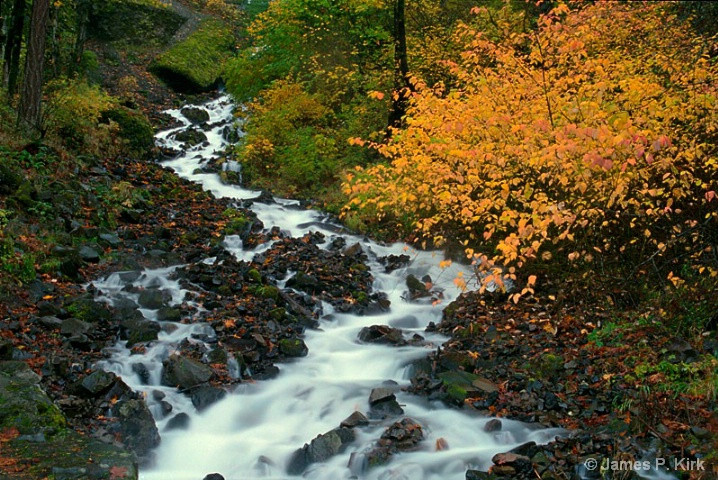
(13, 45)
(30, 110)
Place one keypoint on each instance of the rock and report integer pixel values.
(517, 463)
(293, 347)
(152, 299)
(383, 404)
(206, 395)
(190, 137)
(195, 115)
(178, 422)
(184, 373)
(353, 250)
(138, 330)
(477, 475)
(137, 429)
(322, 448)
(24, 405)
(50, 322)
(110, 240)
(493, 425)
(213, 476)
(356, 419)
(401, 436)
(306, 283)
(381, 334)
(415, 285)
(72, 327)
(96, 383)
(89, 254)
(169, 314)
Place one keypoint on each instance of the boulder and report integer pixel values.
(184, 373)
(381, 334)
(195, 115)
(320, 449)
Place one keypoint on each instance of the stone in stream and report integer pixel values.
(180, 421)
(195, 115)
(322, 448)
(138, 330)
(213, 476)
(510, 464)
(402, 436)
(356, 419)
(206, 395)
(493, 425)
(293, 347)
(184, 373)
(383, 404)
(381, 334)
(152, 299)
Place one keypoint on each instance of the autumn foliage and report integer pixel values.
(589, 141)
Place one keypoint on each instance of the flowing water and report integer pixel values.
(253, 431)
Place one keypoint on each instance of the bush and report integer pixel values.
(585, 144)
(134, 128)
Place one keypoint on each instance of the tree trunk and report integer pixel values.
(401, 66)
(30, 109)
(13, 45)
(83, 17)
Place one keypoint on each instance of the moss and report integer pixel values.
(134, 128)
(269, 292)
(138, 22)
(196, 64)
(254, 276)
(236, 226)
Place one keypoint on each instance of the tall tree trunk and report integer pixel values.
(83, 17)
(401, 66)
(13, 45)
(30, 109)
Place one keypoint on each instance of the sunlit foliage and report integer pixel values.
(589, 141)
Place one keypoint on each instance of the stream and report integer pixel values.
(254, 431)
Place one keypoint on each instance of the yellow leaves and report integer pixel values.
(376, 95)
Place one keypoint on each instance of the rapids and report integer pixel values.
(253, 431)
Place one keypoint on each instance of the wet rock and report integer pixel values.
(381, 334)
(180, 421)
(195, 115)
(383, 404)
(353, 250)
(306, 283)
(136, 426)
(356, 419)
(190, 137)
(205, 396)
(394, 262)
(152, 299)
(213, 476)
(293, 347)
(493, 425)
(141, 370)
(477, 475)
(322, 448)
(138, 330)
(510, 464)
(169, 314)
(89, 254)
(184, 373)
(402, 436)
(416, 287)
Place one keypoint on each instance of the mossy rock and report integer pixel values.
(136, 22)
(196, 64)
(24, 405)
(293, 347)
(134, 128)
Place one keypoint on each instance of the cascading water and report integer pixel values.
(253, 432)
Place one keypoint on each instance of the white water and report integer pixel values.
(253, 431)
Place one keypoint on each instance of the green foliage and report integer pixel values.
(18, 265)
(73, 116)
(134, 128)
(197, 62)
